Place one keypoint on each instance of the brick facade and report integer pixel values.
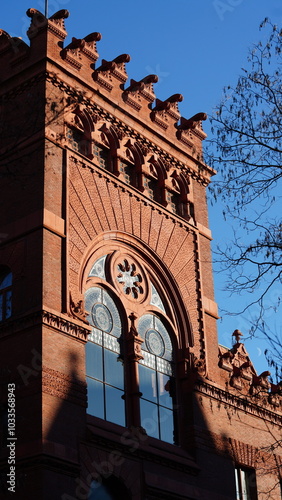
(95, 167)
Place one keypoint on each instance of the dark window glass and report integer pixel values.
(6, 280)
(78, 141)
(102, 157)
(110, 489)
(5, 294)
(1, 307)
(174, 202)
(100, 492)
(129, 171)
(246, 487)
(154, 190)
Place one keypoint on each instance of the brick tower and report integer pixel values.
(108, 321)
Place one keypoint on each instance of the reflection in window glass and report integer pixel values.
(156, 379)
(148, 383)
(1, 307)
(114, 405)
(150, 418)
(166, 424)
(104, 369)
(164, 390)
(245, 480)
(113, 369)
(95, 390)
(94, 361)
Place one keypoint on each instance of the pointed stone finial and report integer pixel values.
(237, 334)
(142, 89)
(55, 24)
(132, 318)
(193, 122)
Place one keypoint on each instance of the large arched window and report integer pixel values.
(104, 369)
(140, 346)
(5, 293)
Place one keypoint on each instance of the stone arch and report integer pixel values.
(110, 242)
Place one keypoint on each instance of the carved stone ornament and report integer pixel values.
(55, 23)
(77, 310)
(243, 376)
(134, 341)
(198, 365)
(129, 277)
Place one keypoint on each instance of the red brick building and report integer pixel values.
(108, 321)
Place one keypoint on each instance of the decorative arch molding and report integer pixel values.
(83, 114)
(119, 245)
(104, 130)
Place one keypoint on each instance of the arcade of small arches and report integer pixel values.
(111, 150)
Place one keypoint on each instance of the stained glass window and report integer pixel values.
(98, 268)
(156, 299)
(104, 370)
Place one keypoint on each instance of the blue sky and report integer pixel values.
(196, 47)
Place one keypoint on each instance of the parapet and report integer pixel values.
(108, 78)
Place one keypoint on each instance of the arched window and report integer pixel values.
(141, 348)
(5, 293)
(153, 184)
(104, 369)
(102, 156)
(156, 380)
(78, 134)
(128, 168)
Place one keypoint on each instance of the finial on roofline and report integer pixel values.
(237, 334)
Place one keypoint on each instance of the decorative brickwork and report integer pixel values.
(111, 335)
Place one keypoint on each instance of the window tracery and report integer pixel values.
(108, 346)
(104, 369)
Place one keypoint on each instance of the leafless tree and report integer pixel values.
(246, 149)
